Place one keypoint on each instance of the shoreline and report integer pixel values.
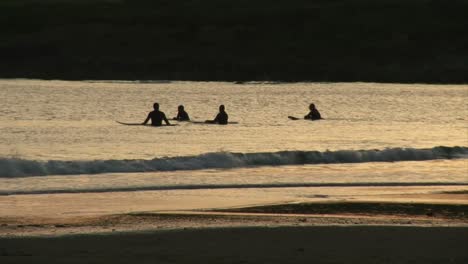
(265, 216)
(276, 233)
(232, 80)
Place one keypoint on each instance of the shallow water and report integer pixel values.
(61, 137)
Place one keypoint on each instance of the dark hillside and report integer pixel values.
(287, 40)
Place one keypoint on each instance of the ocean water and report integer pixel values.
(61, 137)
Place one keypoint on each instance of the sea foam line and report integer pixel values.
(14, 167)
(227, 186)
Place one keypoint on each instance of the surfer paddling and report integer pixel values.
(156, 117)
(221, 118)
(182, 115)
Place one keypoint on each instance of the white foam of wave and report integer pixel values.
(14, 167)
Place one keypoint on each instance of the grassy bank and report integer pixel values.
(274, 40)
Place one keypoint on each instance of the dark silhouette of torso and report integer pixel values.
(221, 118)
(314, 114)
(182, 116)
(156, 117)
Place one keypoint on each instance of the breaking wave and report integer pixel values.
(14, 167)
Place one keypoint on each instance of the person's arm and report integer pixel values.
(216, 120)
(165, 120)
(308, 116)
(319, 116)
(147, 119)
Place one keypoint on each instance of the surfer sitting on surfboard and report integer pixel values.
(181, 114)
(221, 118)
(156, 117)
(314, 114)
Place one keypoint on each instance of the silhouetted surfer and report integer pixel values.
(314, 114)
(181, 114)
(156, 117)
(221, 118)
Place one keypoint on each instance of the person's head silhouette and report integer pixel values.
(221, 108)
(180, 108)
(311, 106)
(156, 106)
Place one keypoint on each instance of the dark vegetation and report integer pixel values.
(236, 40)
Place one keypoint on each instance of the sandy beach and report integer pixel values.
(331, 232)
(325, 244)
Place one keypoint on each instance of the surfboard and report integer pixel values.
(140, 124)
(294, 118)
(297, 118)
(211, 123)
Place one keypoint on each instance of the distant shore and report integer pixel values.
(392, 41)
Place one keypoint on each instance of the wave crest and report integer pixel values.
(14, 167)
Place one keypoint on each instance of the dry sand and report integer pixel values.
(312, 244)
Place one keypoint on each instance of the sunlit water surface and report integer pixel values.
(64, 121)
